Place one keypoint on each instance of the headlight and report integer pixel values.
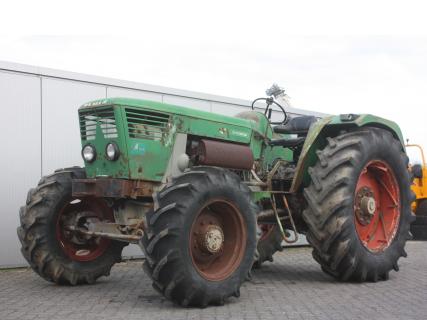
(112, 151)
(89, 153)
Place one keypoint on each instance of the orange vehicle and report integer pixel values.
(419, 186)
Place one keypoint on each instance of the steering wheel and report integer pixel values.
(269, 108)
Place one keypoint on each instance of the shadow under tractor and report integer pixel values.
(208, 197)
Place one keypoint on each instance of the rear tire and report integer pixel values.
(339, 245)
(38, 234)
(179, 271)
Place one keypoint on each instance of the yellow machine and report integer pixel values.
(419, 186)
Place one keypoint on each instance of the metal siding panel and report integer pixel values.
(187, 102)
(113, 92)
(21, 143)
(134, 86)
(61, 136)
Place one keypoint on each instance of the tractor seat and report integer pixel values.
(288, 143)
(297, 125)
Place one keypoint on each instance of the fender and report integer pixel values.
(330, 127)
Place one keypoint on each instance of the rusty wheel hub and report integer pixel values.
(211, 239)
(76, 246)
(217, 240)
(365, 205)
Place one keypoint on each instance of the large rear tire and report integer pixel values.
(359, 205)
(45, 245)
(201, 238)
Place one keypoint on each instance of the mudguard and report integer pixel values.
(331, 127)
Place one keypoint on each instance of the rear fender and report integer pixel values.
(332, 126)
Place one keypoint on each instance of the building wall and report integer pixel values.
(41, 131)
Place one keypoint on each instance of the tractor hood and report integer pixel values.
(257, 121)
(145, 133)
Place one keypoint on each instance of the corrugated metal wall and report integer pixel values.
(41, 133)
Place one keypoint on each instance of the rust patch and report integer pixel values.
(112, 188)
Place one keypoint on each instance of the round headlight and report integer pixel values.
(88, 153)
(112, 151)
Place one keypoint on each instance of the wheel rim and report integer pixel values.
(76, 246)
(377, 206)
(217, 240)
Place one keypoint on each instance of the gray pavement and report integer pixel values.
(293, 287)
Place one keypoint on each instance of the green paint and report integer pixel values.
(102, 166)
(146, 133)
(259, 195)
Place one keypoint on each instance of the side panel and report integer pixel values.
(148, 159)
(21, 162)
(213, 129)
(150, 139)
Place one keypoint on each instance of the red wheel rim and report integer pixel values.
(87, 249)
(217, 240)
(377, 206)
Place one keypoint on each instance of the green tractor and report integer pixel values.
(209, 197)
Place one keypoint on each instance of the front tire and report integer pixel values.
(359, 205)
(51, 254)
(192, 216)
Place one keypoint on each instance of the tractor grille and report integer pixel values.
(104, 117)
(143, 124)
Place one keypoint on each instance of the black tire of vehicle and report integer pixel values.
(37, 233)
(166, 240)
(268, 246)
(330, 205)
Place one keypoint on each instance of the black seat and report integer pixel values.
(288, 143)
(297, 125)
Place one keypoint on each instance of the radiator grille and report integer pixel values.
(103, 117)
(143, 124)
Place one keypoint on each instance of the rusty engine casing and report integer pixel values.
(223, 154)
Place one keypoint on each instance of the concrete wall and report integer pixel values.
(41, 131)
